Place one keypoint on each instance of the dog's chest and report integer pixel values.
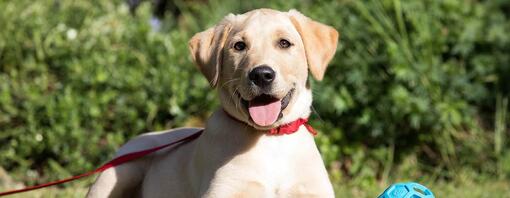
(274, 167)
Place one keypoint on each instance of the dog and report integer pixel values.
(259, 63)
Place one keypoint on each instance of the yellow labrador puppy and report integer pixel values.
(259, 63)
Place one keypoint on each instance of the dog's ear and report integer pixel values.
(320, 42)
(206, 49)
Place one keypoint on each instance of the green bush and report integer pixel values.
(415, 78)
(412, 89)
(79, 78)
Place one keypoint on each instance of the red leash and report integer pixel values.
(281, 130)
(115, 162)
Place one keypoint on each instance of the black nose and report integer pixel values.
(262, 76)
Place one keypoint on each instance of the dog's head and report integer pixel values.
(259, 61)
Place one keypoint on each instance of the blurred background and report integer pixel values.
(418, 89)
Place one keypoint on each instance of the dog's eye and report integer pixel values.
(284, 43)
(239, 46)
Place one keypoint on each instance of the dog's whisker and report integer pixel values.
(314, 111)
(236, 99)
(233, 94)
(229, 81)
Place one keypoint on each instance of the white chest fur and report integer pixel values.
(248, 164)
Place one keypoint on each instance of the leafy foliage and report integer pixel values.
(411, 91)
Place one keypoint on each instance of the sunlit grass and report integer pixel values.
(441, 189)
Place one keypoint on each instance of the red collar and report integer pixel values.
(288, 128)
(292, 127)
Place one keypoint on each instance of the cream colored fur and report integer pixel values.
(235, 157)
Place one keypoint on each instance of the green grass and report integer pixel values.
(452, 189)
(488, 189)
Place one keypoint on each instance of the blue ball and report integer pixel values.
(407, 190)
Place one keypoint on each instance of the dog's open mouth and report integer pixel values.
(265, 109)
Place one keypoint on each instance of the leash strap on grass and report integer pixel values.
(115, 162)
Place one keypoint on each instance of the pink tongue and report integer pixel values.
(264, 114)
